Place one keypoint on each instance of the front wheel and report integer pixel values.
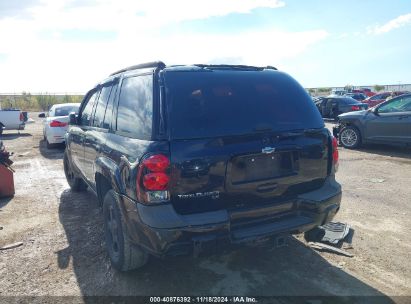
(350, 137)
(123, 255)
(76, 184)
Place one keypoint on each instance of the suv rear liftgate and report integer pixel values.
(233, 180)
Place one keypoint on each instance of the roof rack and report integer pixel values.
(154, 64)
(229, 66)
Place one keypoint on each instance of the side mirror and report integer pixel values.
(42, 115)
(375, 111)
(72, 118)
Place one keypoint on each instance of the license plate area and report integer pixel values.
(258, 167)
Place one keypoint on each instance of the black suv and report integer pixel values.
(191, 159)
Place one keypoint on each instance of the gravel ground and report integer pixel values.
(63, 249)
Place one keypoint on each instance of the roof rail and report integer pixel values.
(154, 64)
(239, 67)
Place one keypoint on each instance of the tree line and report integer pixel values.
(39, 102)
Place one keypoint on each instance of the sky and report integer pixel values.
(70, 45)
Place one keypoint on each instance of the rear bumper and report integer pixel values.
(56, 135)
(163, 232)
(15, 127)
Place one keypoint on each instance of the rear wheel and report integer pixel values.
(123, 255)
(76, 184)
(49, 145)
(350, 137)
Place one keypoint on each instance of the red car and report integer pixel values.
(364, 91)
(376, 99)
(368, 92)
(381, 97)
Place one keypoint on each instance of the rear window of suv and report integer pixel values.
(220, 103)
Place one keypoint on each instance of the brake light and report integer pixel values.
(335, 152)
(355, 108)
(156, 163)
(156, 181)
(56, 123)
(153, 179)
(21, 116)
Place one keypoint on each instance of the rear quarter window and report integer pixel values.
(135, 107)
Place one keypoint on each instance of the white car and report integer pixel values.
(56, 122)
(11, 120)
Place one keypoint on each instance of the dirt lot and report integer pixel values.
(63, 249)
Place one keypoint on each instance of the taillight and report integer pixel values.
(156, 181)
(153, 179)
(21, 116)
(156, 163)
(56, 123)
(355, 108)
(335, 152)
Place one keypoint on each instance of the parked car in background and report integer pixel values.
(11, 119)
(377, 99)
(368, 92)
(331, 107)
(388, 122)
(56, 123)
(176, 176)
(356, 96)
(381, 97)
(337, 92)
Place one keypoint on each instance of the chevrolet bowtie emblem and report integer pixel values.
(268, 150)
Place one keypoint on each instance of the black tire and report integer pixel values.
(123, 255)
(76, 184)
(1, 129)
(350, 137)
(49, 145)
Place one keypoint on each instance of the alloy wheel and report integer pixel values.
(349, 137)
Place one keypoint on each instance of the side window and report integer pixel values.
(329, 102)
(396, 105)
(101, 106)
(88, 109)
(108, 117)
(135, 107)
